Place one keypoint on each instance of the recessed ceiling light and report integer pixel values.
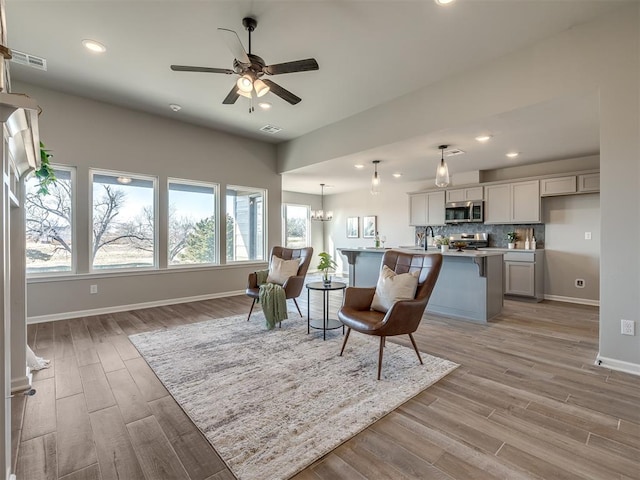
(265, 105)
(397, 175)
(175, 107)
(512, 154)
(94, 46)
(359, 166)
(444, 2)
(483, 138)
(124, 180)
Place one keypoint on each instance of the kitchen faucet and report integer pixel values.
(426, 231)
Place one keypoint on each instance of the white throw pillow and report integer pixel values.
(392, 287)
(280, 270)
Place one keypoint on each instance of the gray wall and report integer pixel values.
(86, 133)
(581, 59)
(568, 255)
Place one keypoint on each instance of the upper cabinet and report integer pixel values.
(569, 185)
(558, 186)
(464, 194)
(513, 202)
(589, 182)
(426, 208)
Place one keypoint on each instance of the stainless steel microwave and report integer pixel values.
(464, 212)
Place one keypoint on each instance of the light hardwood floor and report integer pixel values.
(527, 402)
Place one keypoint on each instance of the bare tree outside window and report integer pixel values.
(49, 224)
(123, 221)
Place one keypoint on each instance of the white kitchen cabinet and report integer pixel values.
(426, 208)
(497, 207)
(557, 186)
(524, 273)
(513, 202)
(589, 182)
(464, 194)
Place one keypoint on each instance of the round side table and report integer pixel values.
(325, 323)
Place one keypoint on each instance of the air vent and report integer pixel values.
(29, 60)
(270, 129)
(453, 152)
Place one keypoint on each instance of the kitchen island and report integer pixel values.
(470, 285)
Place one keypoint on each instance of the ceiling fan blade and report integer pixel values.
(187, 68)
(231, 98)
(292, 67)
(235, 45)
(283, 93)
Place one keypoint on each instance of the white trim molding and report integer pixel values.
(581, 301)
(125, 308)
(21, 384)
(618, 365)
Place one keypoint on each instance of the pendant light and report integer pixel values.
(442, 173)
(321, 215)
(375, 180)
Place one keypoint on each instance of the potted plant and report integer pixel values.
(442, 242)
(512, 237)
(45, 174)
(326, 264)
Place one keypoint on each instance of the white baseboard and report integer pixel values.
(126, 308)
(21, 384)
(619, 365)
(581, 301)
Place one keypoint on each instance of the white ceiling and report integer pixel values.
(369, 52)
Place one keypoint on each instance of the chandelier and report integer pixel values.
(321, 215)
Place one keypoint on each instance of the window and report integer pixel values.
(49, 224)
(245, 224)
(296, 225)
(192, 223)
(123, 220)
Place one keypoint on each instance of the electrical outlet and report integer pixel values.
(579, 282)
(627, 327)
(93, 289)
(587, 235)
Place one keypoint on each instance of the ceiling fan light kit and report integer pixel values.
(261, 88)
(251, 68)
(245, 84)
(442, 172)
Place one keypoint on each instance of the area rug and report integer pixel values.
(271, 402)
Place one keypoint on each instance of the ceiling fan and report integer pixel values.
(251, 68)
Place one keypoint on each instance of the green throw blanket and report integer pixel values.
(273, 300)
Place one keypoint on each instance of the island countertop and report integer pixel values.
(469, 287)
(450, 252)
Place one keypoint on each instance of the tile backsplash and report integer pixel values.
(497, 233)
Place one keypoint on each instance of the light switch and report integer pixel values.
(587, 235)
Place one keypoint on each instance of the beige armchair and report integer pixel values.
(293, 286)
(404, 316)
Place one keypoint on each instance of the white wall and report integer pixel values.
(603, 56)
(90, 134)
(391, 207)
(568, 255)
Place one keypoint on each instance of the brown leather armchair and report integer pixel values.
(404, 316)
(293, 286)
